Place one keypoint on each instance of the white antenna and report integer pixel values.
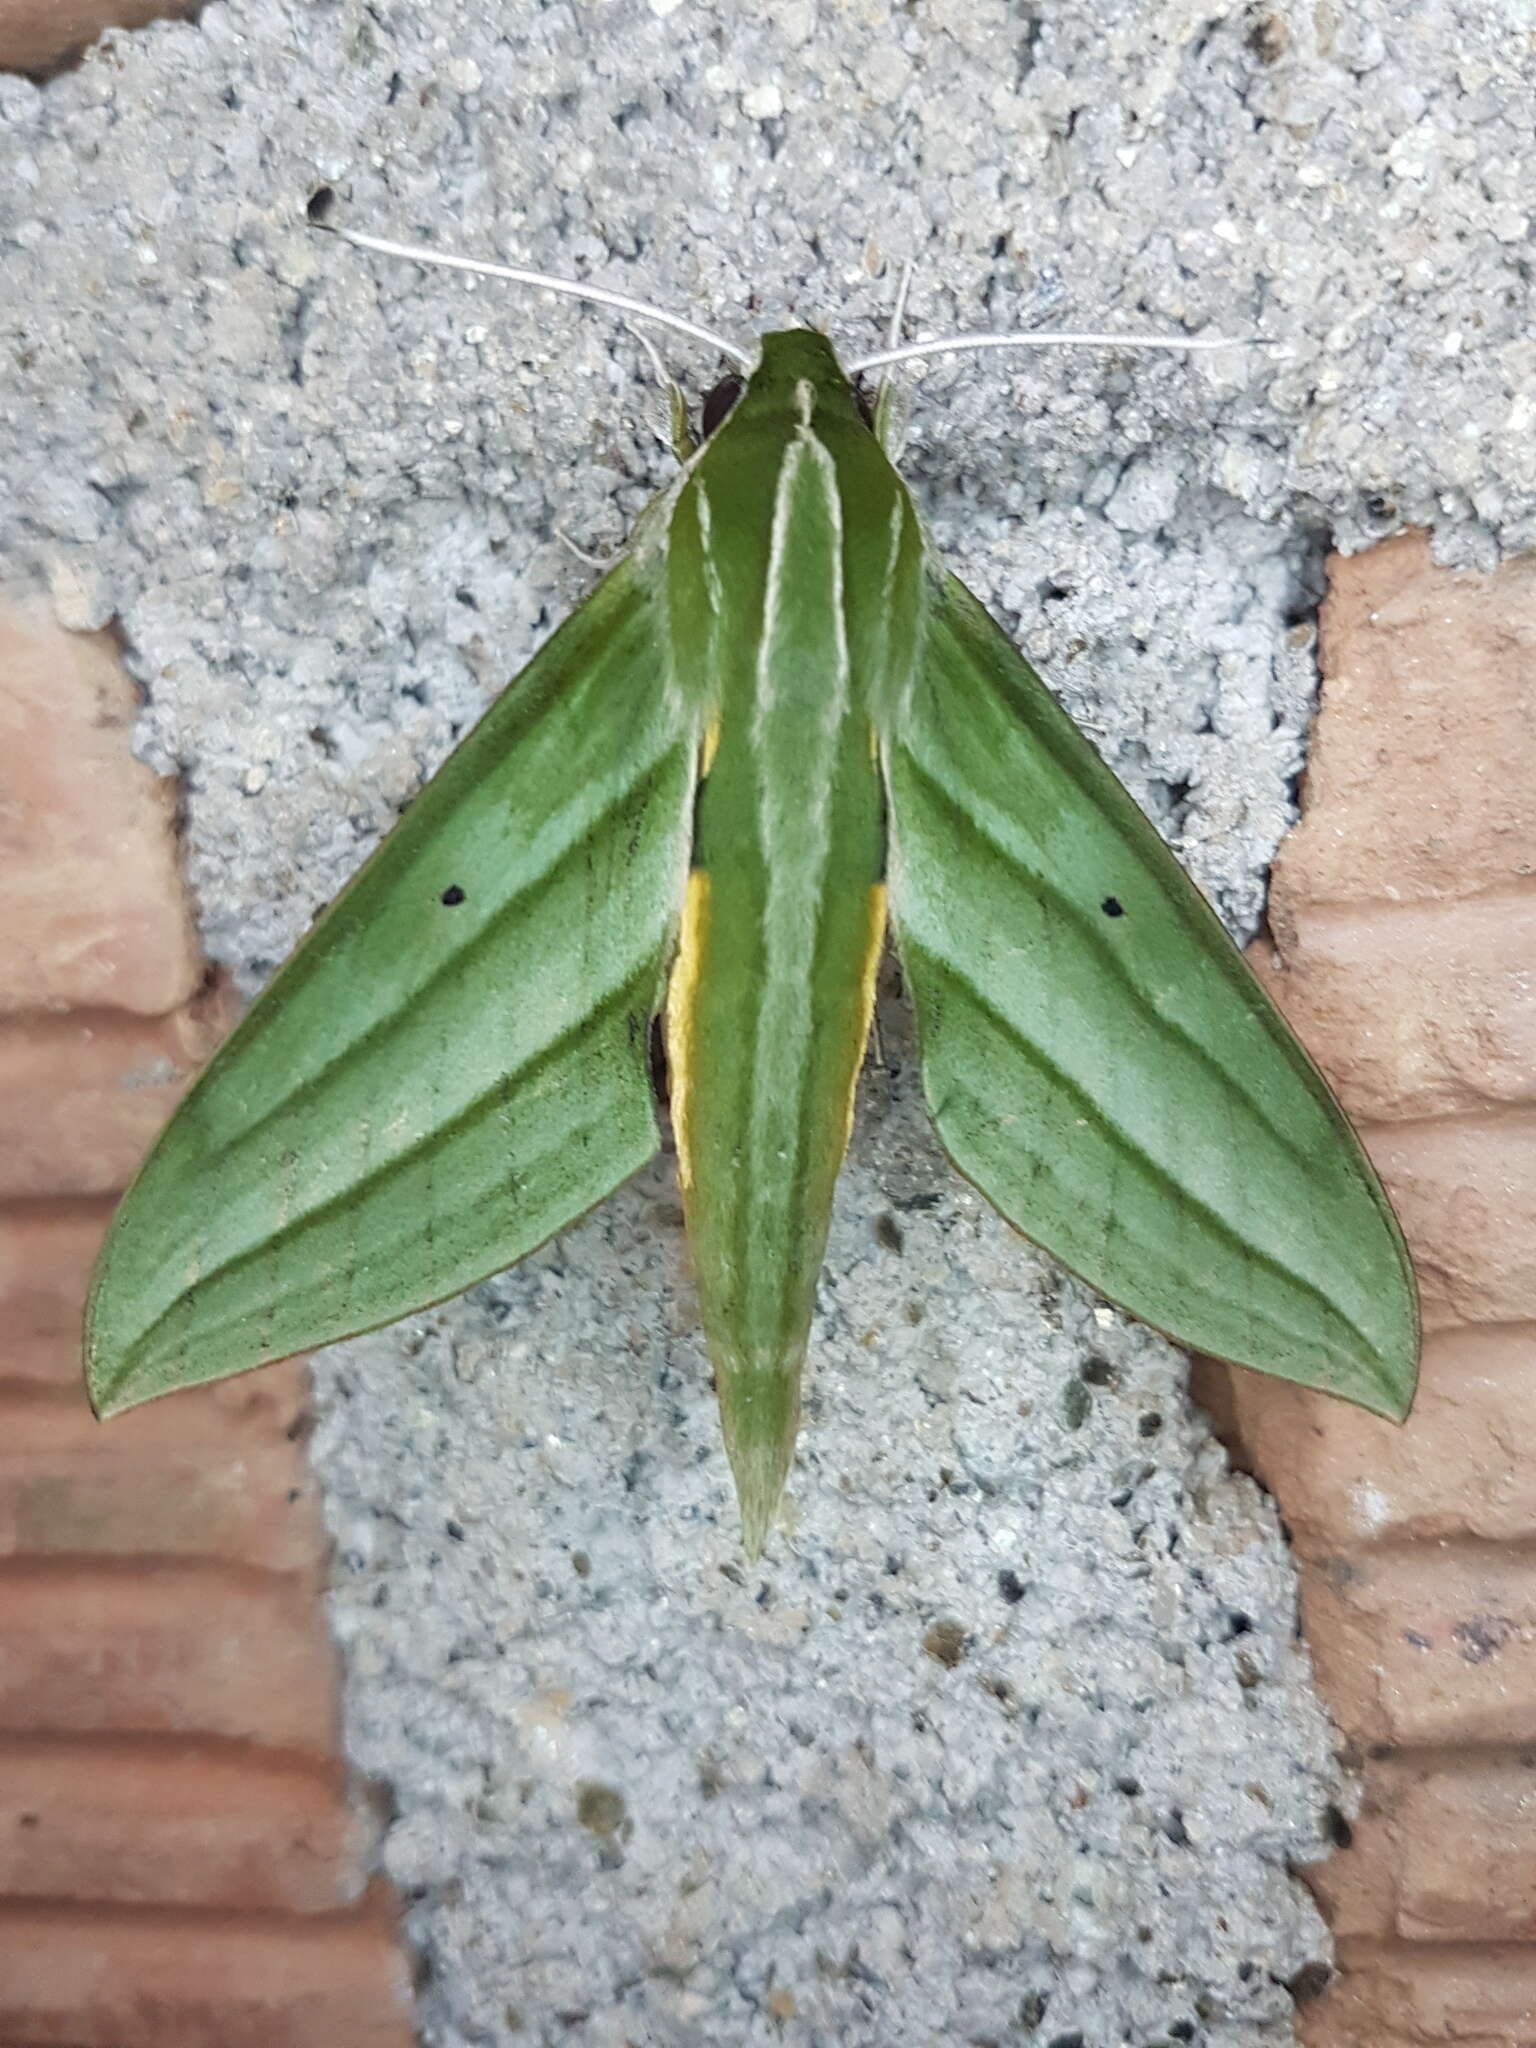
(593, 294)
(638, 309)
(953, 343)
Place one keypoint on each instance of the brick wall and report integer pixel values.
(182, 1860)
(1404, 914)
(36, 35)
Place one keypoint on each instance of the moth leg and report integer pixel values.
(680, 433)
(891, 400)
(599, 562)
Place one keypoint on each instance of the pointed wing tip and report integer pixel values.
(760, 1412)
(1395, 1363)
(98, 1388)
(114, 1378)
(105, 1402)
(105, 1387)
(1376, 1397)
(104, 1362)
(1395, 1390)
(759, 1472)
(1376, 1382)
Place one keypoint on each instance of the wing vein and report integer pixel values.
(429, 1147)
(462, 959)
(951, 971)
(1088, 932)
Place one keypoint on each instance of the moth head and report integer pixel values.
(797, 377)
(718, 403)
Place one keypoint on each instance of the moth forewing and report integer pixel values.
(453, 1065)
(1098, 1058)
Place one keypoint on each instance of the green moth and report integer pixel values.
(775, 729)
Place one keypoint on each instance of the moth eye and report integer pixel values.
(656, 1055)
(320, 205)
(719, 403)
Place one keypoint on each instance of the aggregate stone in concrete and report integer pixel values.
(1008, 1738)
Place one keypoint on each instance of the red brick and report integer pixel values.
(127, 1977)
(119, 1647)
(1421, 779)
(1422, 1009)
(271, 1398)
(1388, 1997)
(1460, 1466)
(47, 1250)
(151, 1820)
(177, 1845)
(50, 1361)
(1444, 1849)
(1355, 1887)
(1469, 1856)
(83, 1096)
(91, 902)
(1404, 949)
(35, 34)
(253, 1412)
(105, 1492)
(1465, 1193)
(1426, 1645)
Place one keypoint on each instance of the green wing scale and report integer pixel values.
(774, 719)
(1098, 1058)
(454, 1065)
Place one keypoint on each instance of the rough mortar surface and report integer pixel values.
(1008, 1739)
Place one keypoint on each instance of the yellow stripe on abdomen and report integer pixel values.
(682, 991)
(874, 941)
